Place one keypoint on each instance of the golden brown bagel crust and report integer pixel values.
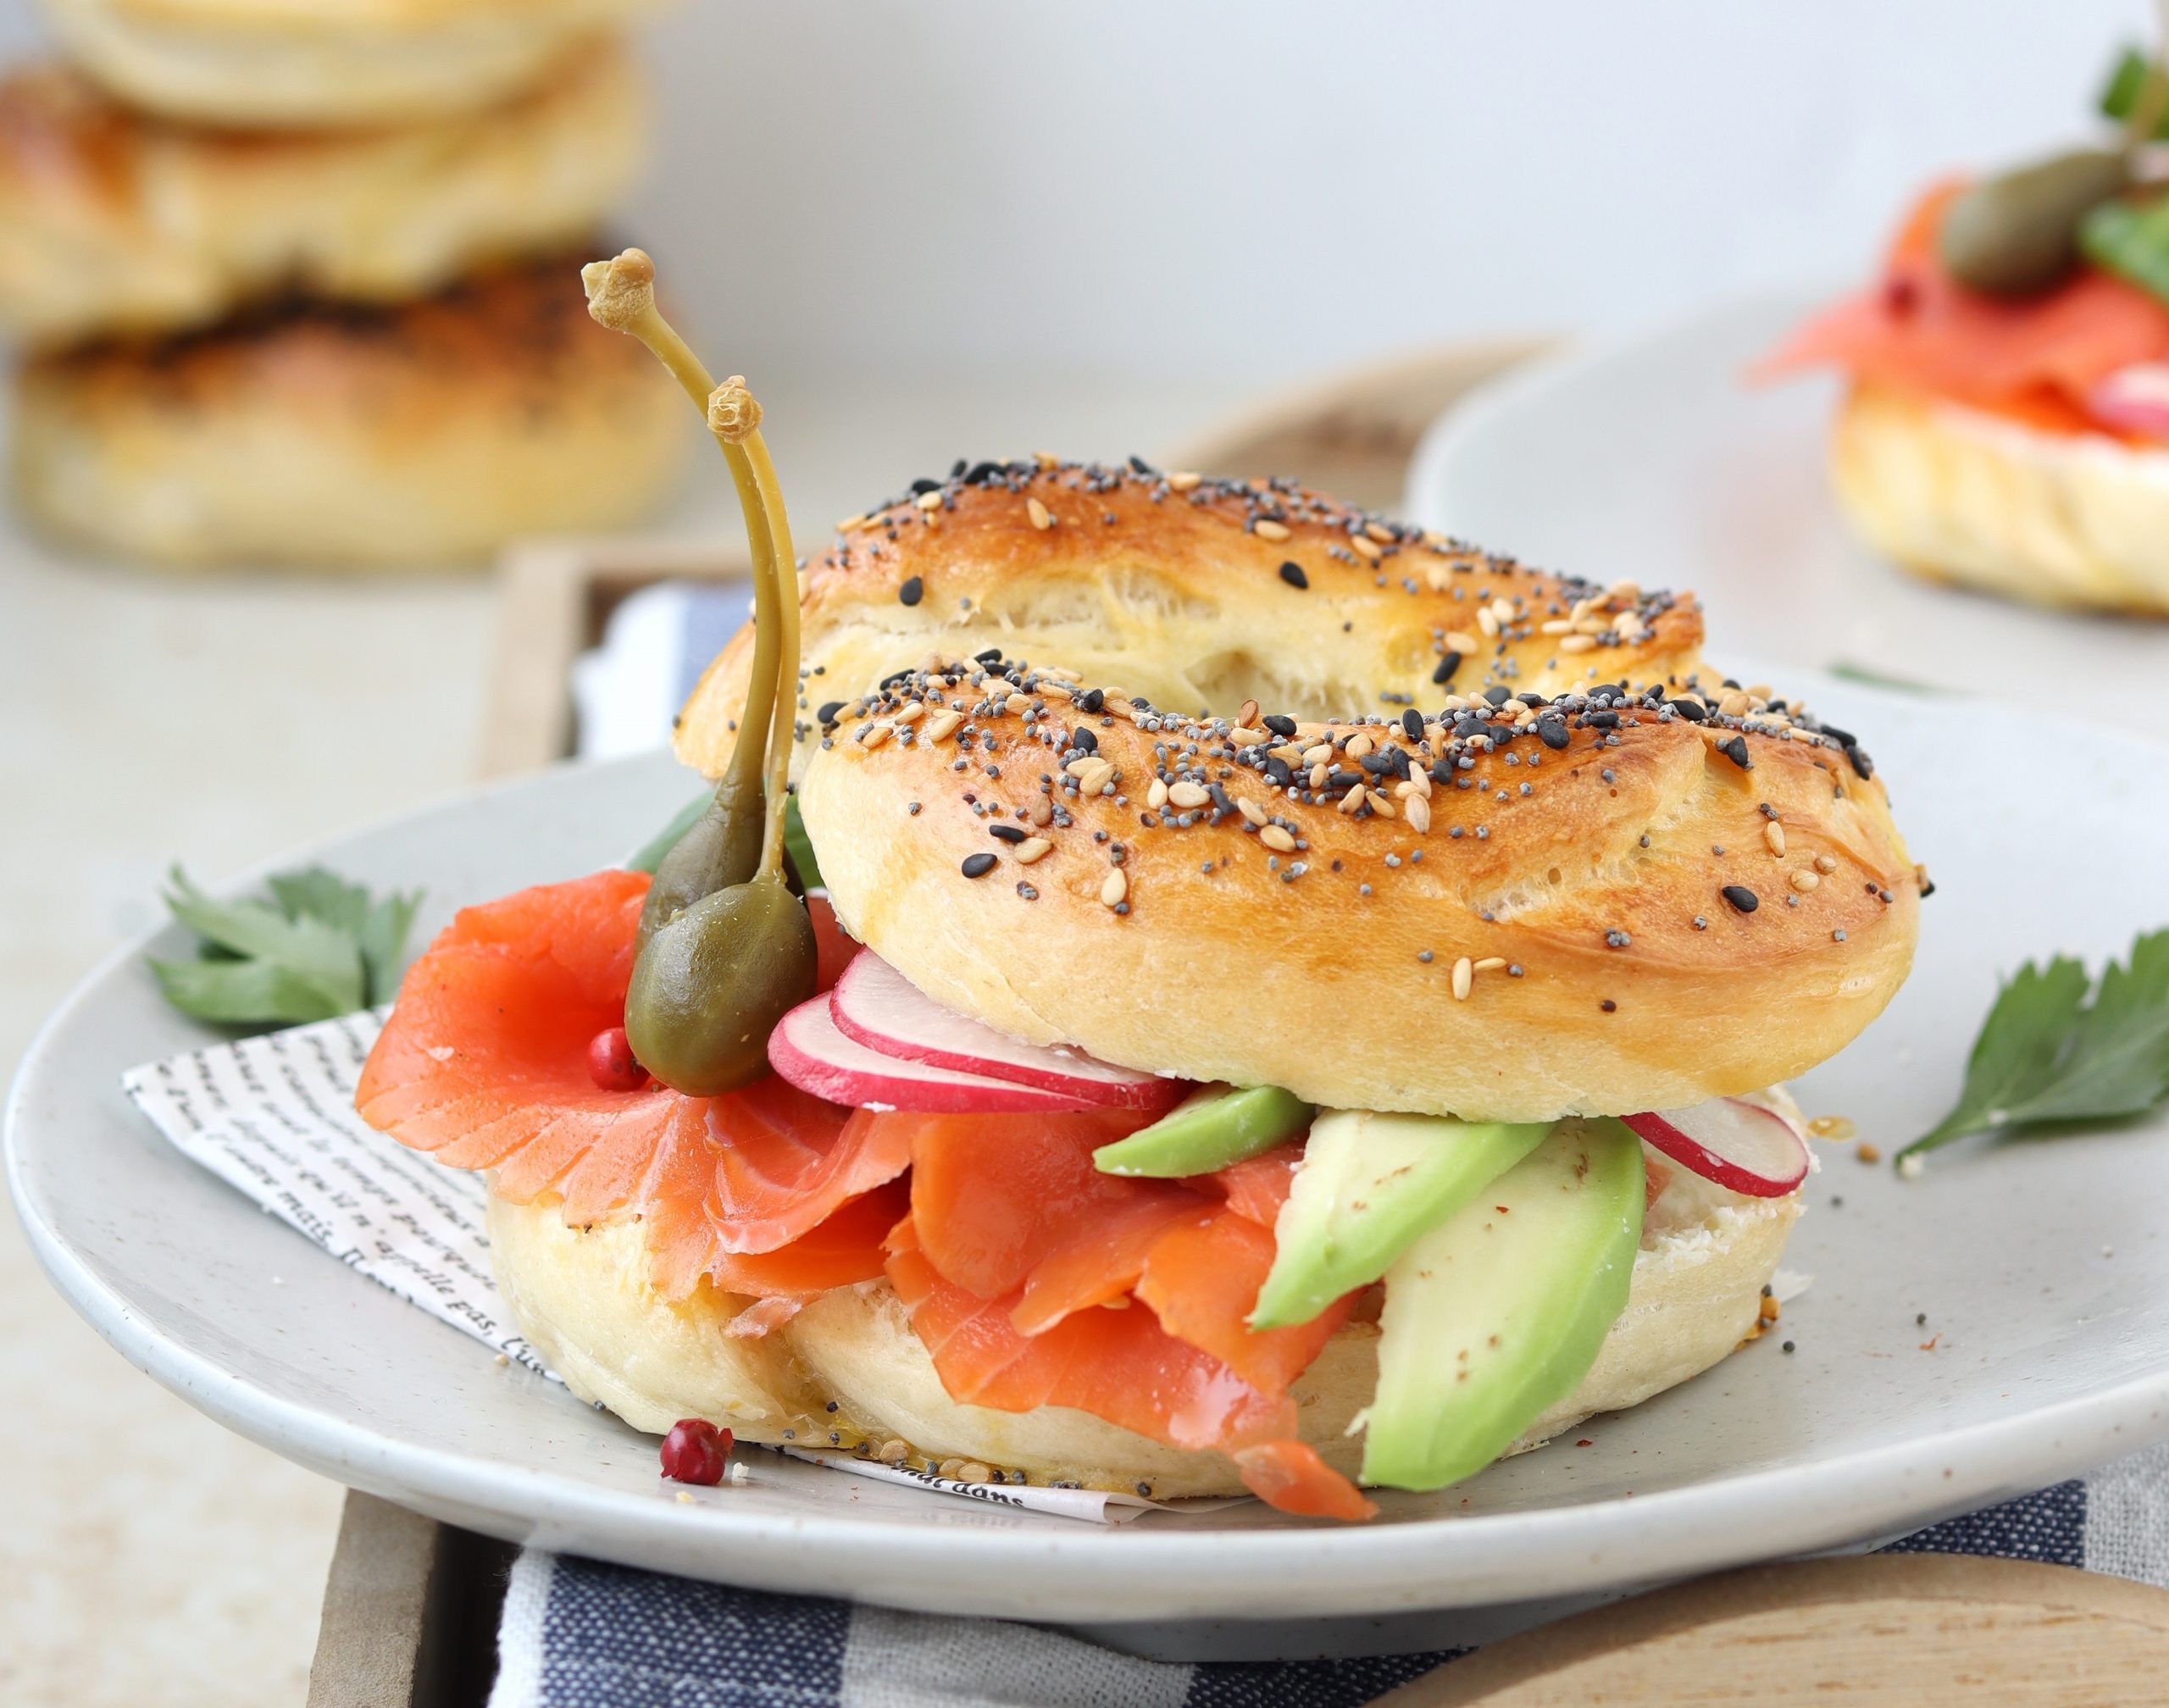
(1956, 494)
(111, 221)
(305, 64)
(1173, 587)
(1500, 912)
(424, 433)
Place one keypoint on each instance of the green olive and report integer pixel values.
(712, 983)
(722, 848)
(2017, 233)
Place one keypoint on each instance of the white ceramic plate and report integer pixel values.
(2042, 1268)
(1654, 459)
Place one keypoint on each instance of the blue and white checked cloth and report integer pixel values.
(579, 1634)
(576, 1633)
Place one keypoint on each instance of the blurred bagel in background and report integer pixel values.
(1964, 496)
(311, 65)
(323, 436)
(114, 222)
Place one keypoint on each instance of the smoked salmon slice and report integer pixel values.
(1257, 1187)
(842, 1249)
(1105, 1258)
(1919, 329)
(1117, 1365)
(994, 1194)
(1202, 1282)
(1290, 1476)
(483, 1063)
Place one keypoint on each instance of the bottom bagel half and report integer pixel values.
(1957, 495)
(582, 1298)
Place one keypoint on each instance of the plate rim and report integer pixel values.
(1088, 1573)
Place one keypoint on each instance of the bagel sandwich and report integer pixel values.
(348, 435)
(2009, 434)
(1024, 1074)
(114, 222)
(1201, 1092)
(299, 64)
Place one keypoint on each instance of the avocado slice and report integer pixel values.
(1370, 1184)
(1497, 1313)
(1209, 1130)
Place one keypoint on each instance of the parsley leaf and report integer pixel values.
(320, 947)
(2046, 1055)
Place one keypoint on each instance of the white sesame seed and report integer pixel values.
(1773, 833)
(1274, 837)
(1380, 532)
(1825, 864)
(1464, 978)
(1155, 794)
(1187, 795)
(1116, 887)
(1804, 880)
(1032, 848)
(1364, 548)
(1487, 619)
(930, 500)
(1489, 963)
(1461, 640)
(873, 734)
(1577, 643)
(1269, 528)
(1417, 811)
(1183, 482)
(942, 724)
(1042, 518)
(1250, 809)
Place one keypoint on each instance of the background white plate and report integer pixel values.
(1654, 459)
(2042, 1268)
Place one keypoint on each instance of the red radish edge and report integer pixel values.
(807, 1049)
(1740, 1145)
(876, 1006)
(2135, 398)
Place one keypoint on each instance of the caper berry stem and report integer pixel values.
(781, 737)
(621, 295)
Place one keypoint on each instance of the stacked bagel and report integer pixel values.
(296, 285)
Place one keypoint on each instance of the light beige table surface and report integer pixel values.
(149, 1557)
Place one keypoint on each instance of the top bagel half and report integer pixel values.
(1195, 595)
(1576, 876)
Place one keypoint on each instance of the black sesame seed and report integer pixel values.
(1552, 732)
(1412, 724)
(1787, 1347)
(1278, 724)
(1743, 899)
(1004, 833)
(826, 717)
(1691, 710)
(1292, 574)
(1092, 699)
(924, 485)
(1603, 720)
(1276, 770)
(1736, 751)
(1861, 763)
(1084, 740)
(1497, 694)
(991, 656)
(1609, 1006)
(978, 865)
(1448, 664)
(913, 591)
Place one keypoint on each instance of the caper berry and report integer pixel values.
(722, 848)
(2017, 233)
(712, 983)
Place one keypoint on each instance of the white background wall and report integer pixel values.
(1234, 190)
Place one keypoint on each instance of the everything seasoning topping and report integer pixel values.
(1509, 620)
(1044, 763)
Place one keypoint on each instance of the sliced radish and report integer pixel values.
(2134, 398)
(878, 1006)
(807, 1049)
(1740, 1145)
